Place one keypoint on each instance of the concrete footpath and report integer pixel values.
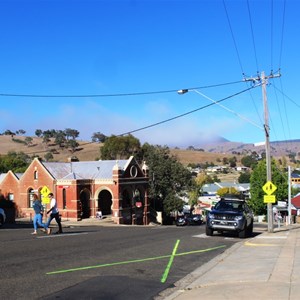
(266, 266)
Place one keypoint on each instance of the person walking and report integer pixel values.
(38, 213)
(54, 213)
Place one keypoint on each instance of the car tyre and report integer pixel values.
(1, 220)
(209, 231)
(243, 233)
(250, 230)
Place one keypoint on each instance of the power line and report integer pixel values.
(282, 30)
(187, 113)
(111, 95)
(232, 35)
(253, 41)
(171, 119)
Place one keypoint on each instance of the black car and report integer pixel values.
(192, 219)
(230, 215)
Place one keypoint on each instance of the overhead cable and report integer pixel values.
(111, 95)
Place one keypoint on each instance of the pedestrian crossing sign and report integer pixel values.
(45, 192)
(269, 188)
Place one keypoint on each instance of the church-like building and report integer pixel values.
(82, 189)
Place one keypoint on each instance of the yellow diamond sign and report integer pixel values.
(269, 188)
(45, 192)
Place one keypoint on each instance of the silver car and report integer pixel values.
(230, 215)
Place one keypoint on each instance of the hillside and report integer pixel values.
(209, 153)
(91, 151)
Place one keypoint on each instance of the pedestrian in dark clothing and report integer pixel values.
(54, 213)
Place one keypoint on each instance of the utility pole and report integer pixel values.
(263, 80)
(289, 197)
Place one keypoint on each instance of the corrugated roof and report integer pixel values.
(101, 169)
(2, 175)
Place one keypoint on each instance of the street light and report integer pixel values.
(184, 91)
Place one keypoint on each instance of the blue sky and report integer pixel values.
(148, 49)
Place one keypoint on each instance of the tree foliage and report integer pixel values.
(257, 181)
(169, 178)
(120, 147)
(250, 161)
(244, 177)
(98, 137)
(16, 162)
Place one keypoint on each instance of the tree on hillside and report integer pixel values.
(46, 137)
(48, 156)
(9, 132)
(257, 181)
(120, 147)
(28, 140)
(98, 137)
(72, 144)
(250, 161)
(60, 138)
(20, 132)
(71, 133)
(38, 132)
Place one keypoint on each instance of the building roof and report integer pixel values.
(296, 201)
(101, 169)
(212, 188)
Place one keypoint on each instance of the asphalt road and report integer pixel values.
(122, 262)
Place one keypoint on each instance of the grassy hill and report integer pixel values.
(91, 151)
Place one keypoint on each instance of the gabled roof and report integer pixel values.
(102, 169)
(2, 175)
(296, 201)
(16, 175)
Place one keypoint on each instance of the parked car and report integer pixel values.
(2, 217)
(230, 215)
(189, 219)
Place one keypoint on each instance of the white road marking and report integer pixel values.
(61, 235)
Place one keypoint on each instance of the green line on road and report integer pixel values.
(166, 273)
(132, 261)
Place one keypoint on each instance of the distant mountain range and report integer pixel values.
(278, 148)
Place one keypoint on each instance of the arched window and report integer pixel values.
(30, 197)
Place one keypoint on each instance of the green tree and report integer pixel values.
(72, 144)
(98, 137)
(244, 177)
(28, 140)
(38, 132)
(17, 162)
(249, 161)
(232, 162)
(120, 147)
(60, 138)
(257, 181)
(20, 132)
(71, 133)
(169, 178)
(48, 156)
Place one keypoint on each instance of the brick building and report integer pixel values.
(116, 188)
